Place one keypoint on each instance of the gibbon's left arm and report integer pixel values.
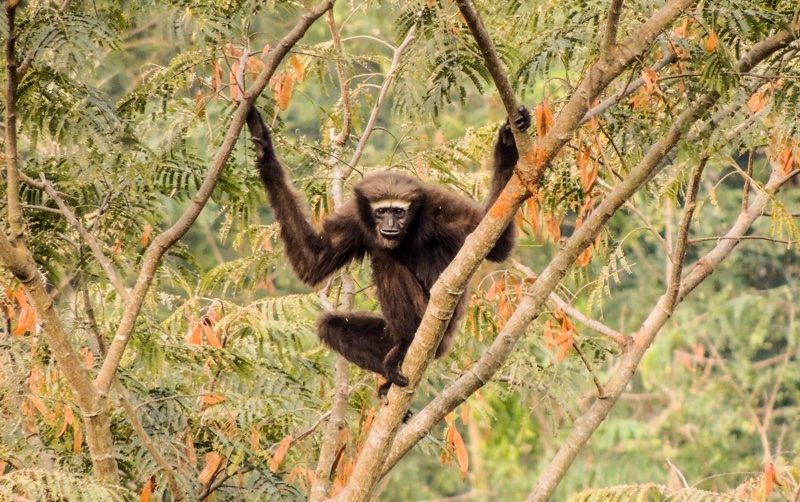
(505, 158)
(314, 255)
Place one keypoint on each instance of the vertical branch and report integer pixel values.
(340, 140)
(91, 404)
(169, 473)
(612, 24)
(321, 484)
(12, 165)
(327, 455)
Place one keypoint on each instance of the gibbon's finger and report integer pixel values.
(524, 120)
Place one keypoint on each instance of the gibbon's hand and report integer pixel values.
(259, 135)
(523, 122)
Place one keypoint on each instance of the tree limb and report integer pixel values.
(164, 241)
(452, 282)
(11, 153)
(101, 258)
(612, 24)
(321, 484)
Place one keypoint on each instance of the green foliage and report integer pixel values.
(650, 493)
(56, 485)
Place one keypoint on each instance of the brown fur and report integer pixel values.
(404, 270)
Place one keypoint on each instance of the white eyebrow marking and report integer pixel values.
(390, 203)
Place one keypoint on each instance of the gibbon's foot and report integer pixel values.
(382, 391)
(398, 378)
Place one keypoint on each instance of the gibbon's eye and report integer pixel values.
(399, 212)
(381, 211)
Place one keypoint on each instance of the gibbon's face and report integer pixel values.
(392, 218)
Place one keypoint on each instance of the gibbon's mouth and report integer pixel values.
(390, 234)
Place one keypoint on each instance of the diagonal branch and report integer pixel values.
(498, 352)
(627, 89)
(452, 282)
(87, 237)
(483, 371)
(591, 420)
(164, 241)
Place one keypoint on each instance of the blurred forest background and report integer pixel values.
(115, 111)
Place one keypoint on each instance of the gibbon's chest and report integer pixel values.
(406, 266)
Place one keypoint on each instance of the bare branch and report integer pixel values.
(631, 358)
(11, 153)
(320, 486)
(92, 404)
(87, 237)
(169, 473)
(501, 81)
(379, 102)
(612, 24)
(628, 89)
(607, 332)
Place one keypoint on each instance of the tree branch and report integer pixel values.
(321, 484)
(635, 351)
(612, 24)
(87, 237)
(452, 282)
(631, 358)
(628, 89)
(12, 162)
(393, 68)
(91, 403)
(164, 241)
(539, 292)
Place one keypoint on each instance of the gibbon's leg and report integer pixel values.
(360, 337)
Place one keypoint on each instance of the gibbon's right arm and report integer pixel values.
(314, 255)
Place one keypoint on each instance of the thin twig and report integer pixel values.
(627, 89)
(606, 331)
(87, 237)
(14, 214)
(390, 75)
(326, 460)
(741, 238)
